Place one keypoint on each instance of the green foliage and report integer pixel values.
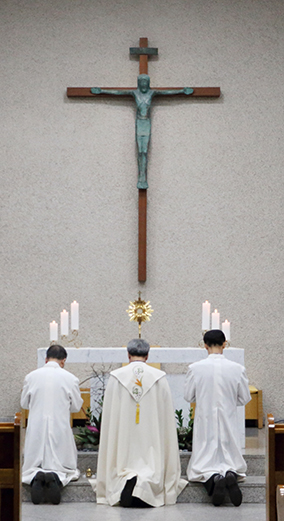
(184, 433)
(88, 437)
(90, 434)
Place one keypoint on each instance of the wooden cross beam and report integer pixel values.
(144, 52)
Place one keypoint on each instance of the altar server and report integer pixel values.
(218, 386)
(138, 462)
(50, 457)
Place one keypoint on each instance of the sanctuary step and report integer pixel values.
(81, 491)
(253, 488)
(255, 463)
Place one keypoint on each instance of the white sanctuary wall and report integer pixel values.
(68, 178)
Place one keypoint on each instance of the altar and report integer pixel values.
(175, 359)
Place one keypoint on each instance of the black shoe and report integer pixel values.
(218, 495)
(37, 488)
(53, 488)
(126, 494)
(233, 488)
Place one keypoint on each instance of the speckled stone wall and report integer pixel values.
(68, 178)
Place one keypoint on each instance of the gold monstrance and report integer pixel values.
(139, 311)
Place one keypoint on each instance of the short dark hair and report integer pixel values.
(58, 352)
(215, 337)
(138, 347)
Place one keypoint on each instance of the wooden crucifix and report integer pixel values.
(143, 96)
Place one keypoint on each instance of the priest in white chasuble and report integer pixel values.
(50, 455)
(138, 463)
(218, 386)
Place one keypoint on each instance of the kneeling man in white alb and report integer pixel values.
(50, 456)
(218, 386)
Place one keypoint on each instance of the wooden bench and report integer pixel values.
(254, 409)
(274, 467)
(10, 470)
(85, 393)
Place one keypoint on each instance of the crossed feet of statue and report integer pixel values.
(46, 488)
(230, 483)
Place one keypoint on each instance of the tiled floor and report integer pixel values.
(178, 512)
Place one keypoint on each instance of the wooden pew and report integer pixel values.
(274, 465)
(10, 470)
(254, 409)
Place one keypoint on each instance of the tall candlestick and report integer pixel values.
(205, 315)
(215, 320)
(74, 316)
(53, 331)
(226, 329)
(64, 323)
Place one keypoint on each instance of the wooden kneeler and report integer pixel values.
(10, 470)
(274, 467)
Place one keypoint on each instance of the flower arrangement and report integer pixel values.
(184, 433)
(88, 437)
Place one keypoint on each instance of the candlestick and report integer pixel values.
(74, 316)
(226, 329)
(206, 315)
(53, 331)
(215, 324)
(64, 323)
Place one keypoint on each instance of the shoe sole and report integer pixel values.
(235, 493)
(218, 495)
(37, 488)
(52, 489)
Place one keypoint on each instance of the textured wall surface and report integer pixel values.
(69, 169)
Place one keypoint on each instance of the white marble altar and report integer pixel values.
(163, 355)
(181, 355)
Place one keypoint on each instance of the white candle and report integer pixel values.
(53, 331)
(64, 322)
(74, 316)
(215, 320)
(226, 329)
(205, 315)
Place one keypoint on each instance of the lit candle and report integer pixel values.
(53, 331)
(226, 329)
(205, 315)
(74, 316)
(215, 319)
(64, 322)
